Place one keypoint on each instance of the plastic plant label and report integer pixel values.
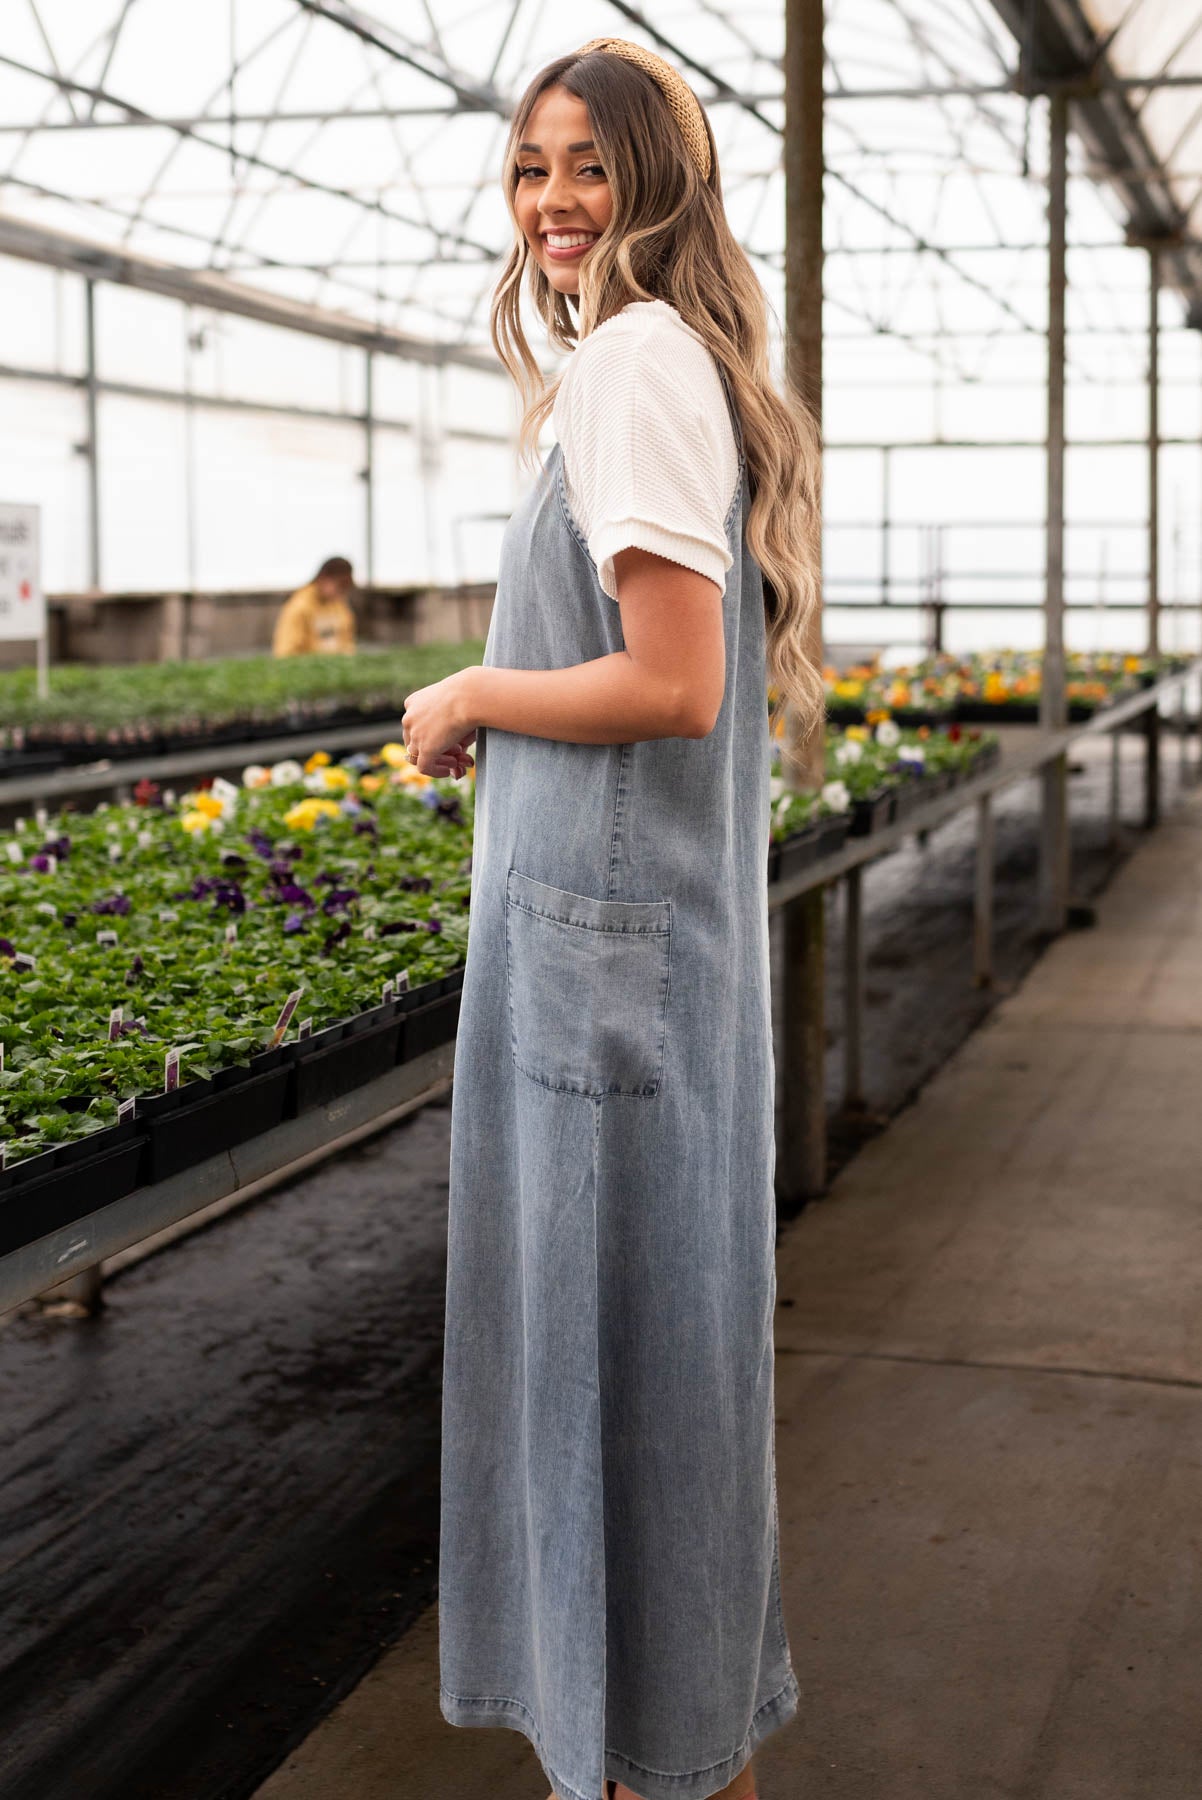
(368, 933)
(231, 937)
(3, 1154)
(13, 851)
(126, 1110)
(107, 937)
(402, 982)
(1, 1059)
(303, 1030)
(145, 840)
(167, 917)
(23, 960)
(115, 1023)
(18, 824)
(53, 861)
(285, 1018)
(40, 816)
(171, 1071)
(47, 908)
(114, 853)
(388, 992)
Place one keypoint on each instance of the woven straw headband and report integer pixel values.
(682, 101)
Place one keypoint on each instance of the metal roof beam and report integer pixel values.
(201, 287)
(1057, 43)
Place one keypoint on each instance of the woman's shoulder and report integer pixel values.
(641, 324)
(648, 346)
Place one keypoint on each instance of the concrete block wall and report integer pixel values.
(169, 627)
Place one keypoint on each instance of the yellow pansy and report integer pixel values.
(859, 732)
(337, 779)
(195, 821)
(209, 805)
(305, 814)
(371, 784)
(395, 755)
(409, 776)
(318, 760)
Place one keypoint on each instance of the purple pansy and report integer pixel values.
(338, 899)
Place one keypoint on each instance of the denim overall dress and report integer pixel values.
(608, 1570)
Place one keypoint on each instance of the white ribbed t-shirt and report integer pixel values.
(649, 453)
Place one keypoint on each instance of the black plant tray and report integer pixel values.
(872, 812)
(426, 1027)
(834, 832)
(913, 792)
(43, 751)
(910, 718)
(996, 712)
(31, 1209)
(987, 757)
(800, 850)
(184, 1135)
(345, 1065)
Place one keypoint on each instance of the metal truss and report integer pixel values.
(333, 163)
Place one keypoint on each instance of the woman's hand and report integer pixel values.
(438, 727)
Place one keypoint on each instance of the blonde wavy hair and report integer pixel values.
(669, 239)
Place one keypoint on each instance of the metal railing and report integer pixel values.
(1024, 763)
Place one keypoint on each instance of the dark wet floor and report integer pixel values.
(218, 1499)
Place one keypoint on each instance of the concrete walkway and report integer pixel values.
(989, 1385)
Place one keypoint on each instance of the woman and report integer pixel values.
(609, 1580)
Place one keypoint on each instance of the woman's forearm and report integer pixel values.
(610, 700)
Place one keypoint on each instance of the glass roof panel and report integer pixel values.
(346, 157)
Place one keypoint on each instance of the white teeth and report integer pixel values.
(568, 241)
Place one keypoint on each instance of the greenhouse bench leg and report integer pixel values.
(1116, 749)
(853, 991)
(982, 923)
(1152, 767)
(82, 1290)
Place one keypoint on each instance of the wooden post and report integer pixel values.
(801, 1162)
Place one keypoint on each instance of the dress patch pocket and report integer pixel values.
(588, 988)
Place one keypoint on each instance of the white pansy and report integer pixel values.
(887, 734)
(849, 751)
(912, 753)
(835, 796)
(227, 794)
(286, 773)
(255, 775)
(776, 787)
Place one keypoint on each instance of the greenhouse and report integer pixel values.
(600, 962)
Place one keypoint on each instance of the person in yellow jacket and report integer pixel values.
(318, 617)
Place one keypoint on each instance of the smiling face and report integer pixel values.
(562, 199)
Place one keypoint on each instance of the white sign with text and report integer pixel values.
(22, 603)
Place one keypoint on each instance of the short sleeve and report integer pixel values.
(649, 450)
